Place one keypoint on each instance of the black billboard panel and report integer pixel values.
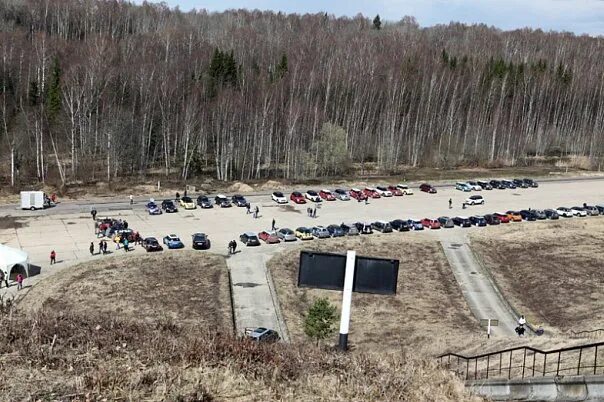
(375, 275)
(321, 270)
(327, 270)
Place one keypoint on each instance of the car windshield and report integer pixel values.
(297, 194)
(311, 192)
(252, 237)
(340, 191)
(278, 194)
(382, 188)
(286, 231)
(200, 237)
(174, 239)
(186, 199)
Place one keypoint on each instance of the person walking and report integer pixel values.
(125, 224)
(19, 282)
(314, 212)
(91, 248)
(131, 199)
(248, 208)
(185, 194)
(126, 244)
(450, 203)
(3, 279)
(273, 227)
(101, 247)
(366, 200)
(104, 247)
(177, 196)
(256, 211)
(93, 213)
(234, 246)
(53, 257)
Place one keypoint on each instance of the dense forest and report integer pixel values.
(107, 89)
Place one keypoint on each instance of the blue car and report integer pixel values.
(415, 225)
(336, 231)
(173, 241)
(153, 209)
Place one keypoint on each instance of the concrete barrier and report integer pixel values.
(562, 388)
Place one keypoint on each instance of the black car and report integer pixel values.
(200, 241)
(551, 214)
(363, 228)
(222, 201)
(462, 221)
(168, 206)
(539, 214)
(400, 225)
(531, 182)
(336, 231)
(382, 226)
(204, 202)
(528, 215)
(508, 184)
(497, 184)
(446, 222)
(485, 185)
(478, 220)
(349, 229)
(492, 219)
(249, 239)
(151, 244)
(239, 200)
(520, 183)
(427, 188)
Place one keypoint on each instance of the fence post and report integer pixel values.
(534, 357)
(579, 365)
(523, 362)
(558, 366)
(510, 368)
(500, 362)
(488, 360)
(475, 368)
(544, 360)
(595, 360)
(467, 368)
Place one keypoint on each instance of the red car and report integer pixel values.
(269, 237)
(427, 188)
(297, 197)
(395, 191)
(503, 218)
(327, 195)
(370, 192)
(430, 223)
(357, 194)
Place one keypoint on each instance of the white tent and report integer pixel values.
(13, 261)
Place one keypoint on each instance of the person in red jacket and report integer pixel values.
(19, 282)
(53, 257)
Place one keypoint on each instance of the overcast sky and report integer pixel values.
(578, 16)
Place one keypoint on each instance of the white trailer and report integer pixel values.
(33, 200)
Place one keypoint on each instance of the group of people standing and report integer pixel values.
(255, 213)
(102, 247)
(3, 279)
(311, 212)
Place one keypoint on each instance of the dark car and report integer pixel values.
(168, 206)
(223, 201)
(492, 219)
(363, 228)
(485, 185)
(446, 222)
(520, 183)
(551, 214)
(400, 225)
(336, 231)
(151, 244)
(527, 215)
(508, 184)
(262, 334)
(201, 241)
(427, 188)
(462, 221)
(249, 239)
(478, 220)
(382, 226)
(239, 200)
(497, 184)
(591, 210)
(539, 214)
(349, 229)
(531, 182)
(415, 224)
(204, 202)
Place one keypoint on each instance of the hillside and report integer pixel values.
(114, 90)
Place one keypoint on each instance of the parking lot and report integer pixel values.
(71, 233)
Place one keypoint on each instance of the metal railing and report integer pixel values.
(594, 333)
(525, 361)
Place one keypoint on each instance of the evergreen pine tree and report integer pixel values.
(377, 22)
(282, 67)
(53, 94)
(320, 320)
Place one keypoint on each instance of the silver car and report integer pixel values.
(350, 229)
(320, 232)
(286, 234)
(341, 194)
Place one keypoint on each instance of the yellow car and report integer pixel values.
(303, 233)
(187, 203)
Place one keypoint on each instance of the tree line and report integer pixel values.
(107, 89)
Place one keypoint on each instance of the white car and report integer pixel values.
(578, 211)
(405, 189)
(565, 212)
(474, 185)
(313, 196)
(278, 197)
(475, 200)
(383, 191)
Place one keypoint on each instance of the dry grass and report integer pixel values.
(550, 271)
(186, 287)
(428, 311)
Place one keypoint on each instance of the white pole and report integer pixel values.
(347, 299)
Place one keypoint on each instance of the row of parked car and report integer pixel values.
(343, 195)
(404, 225)
(496, 184)
(169, 206)
(199, 241)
